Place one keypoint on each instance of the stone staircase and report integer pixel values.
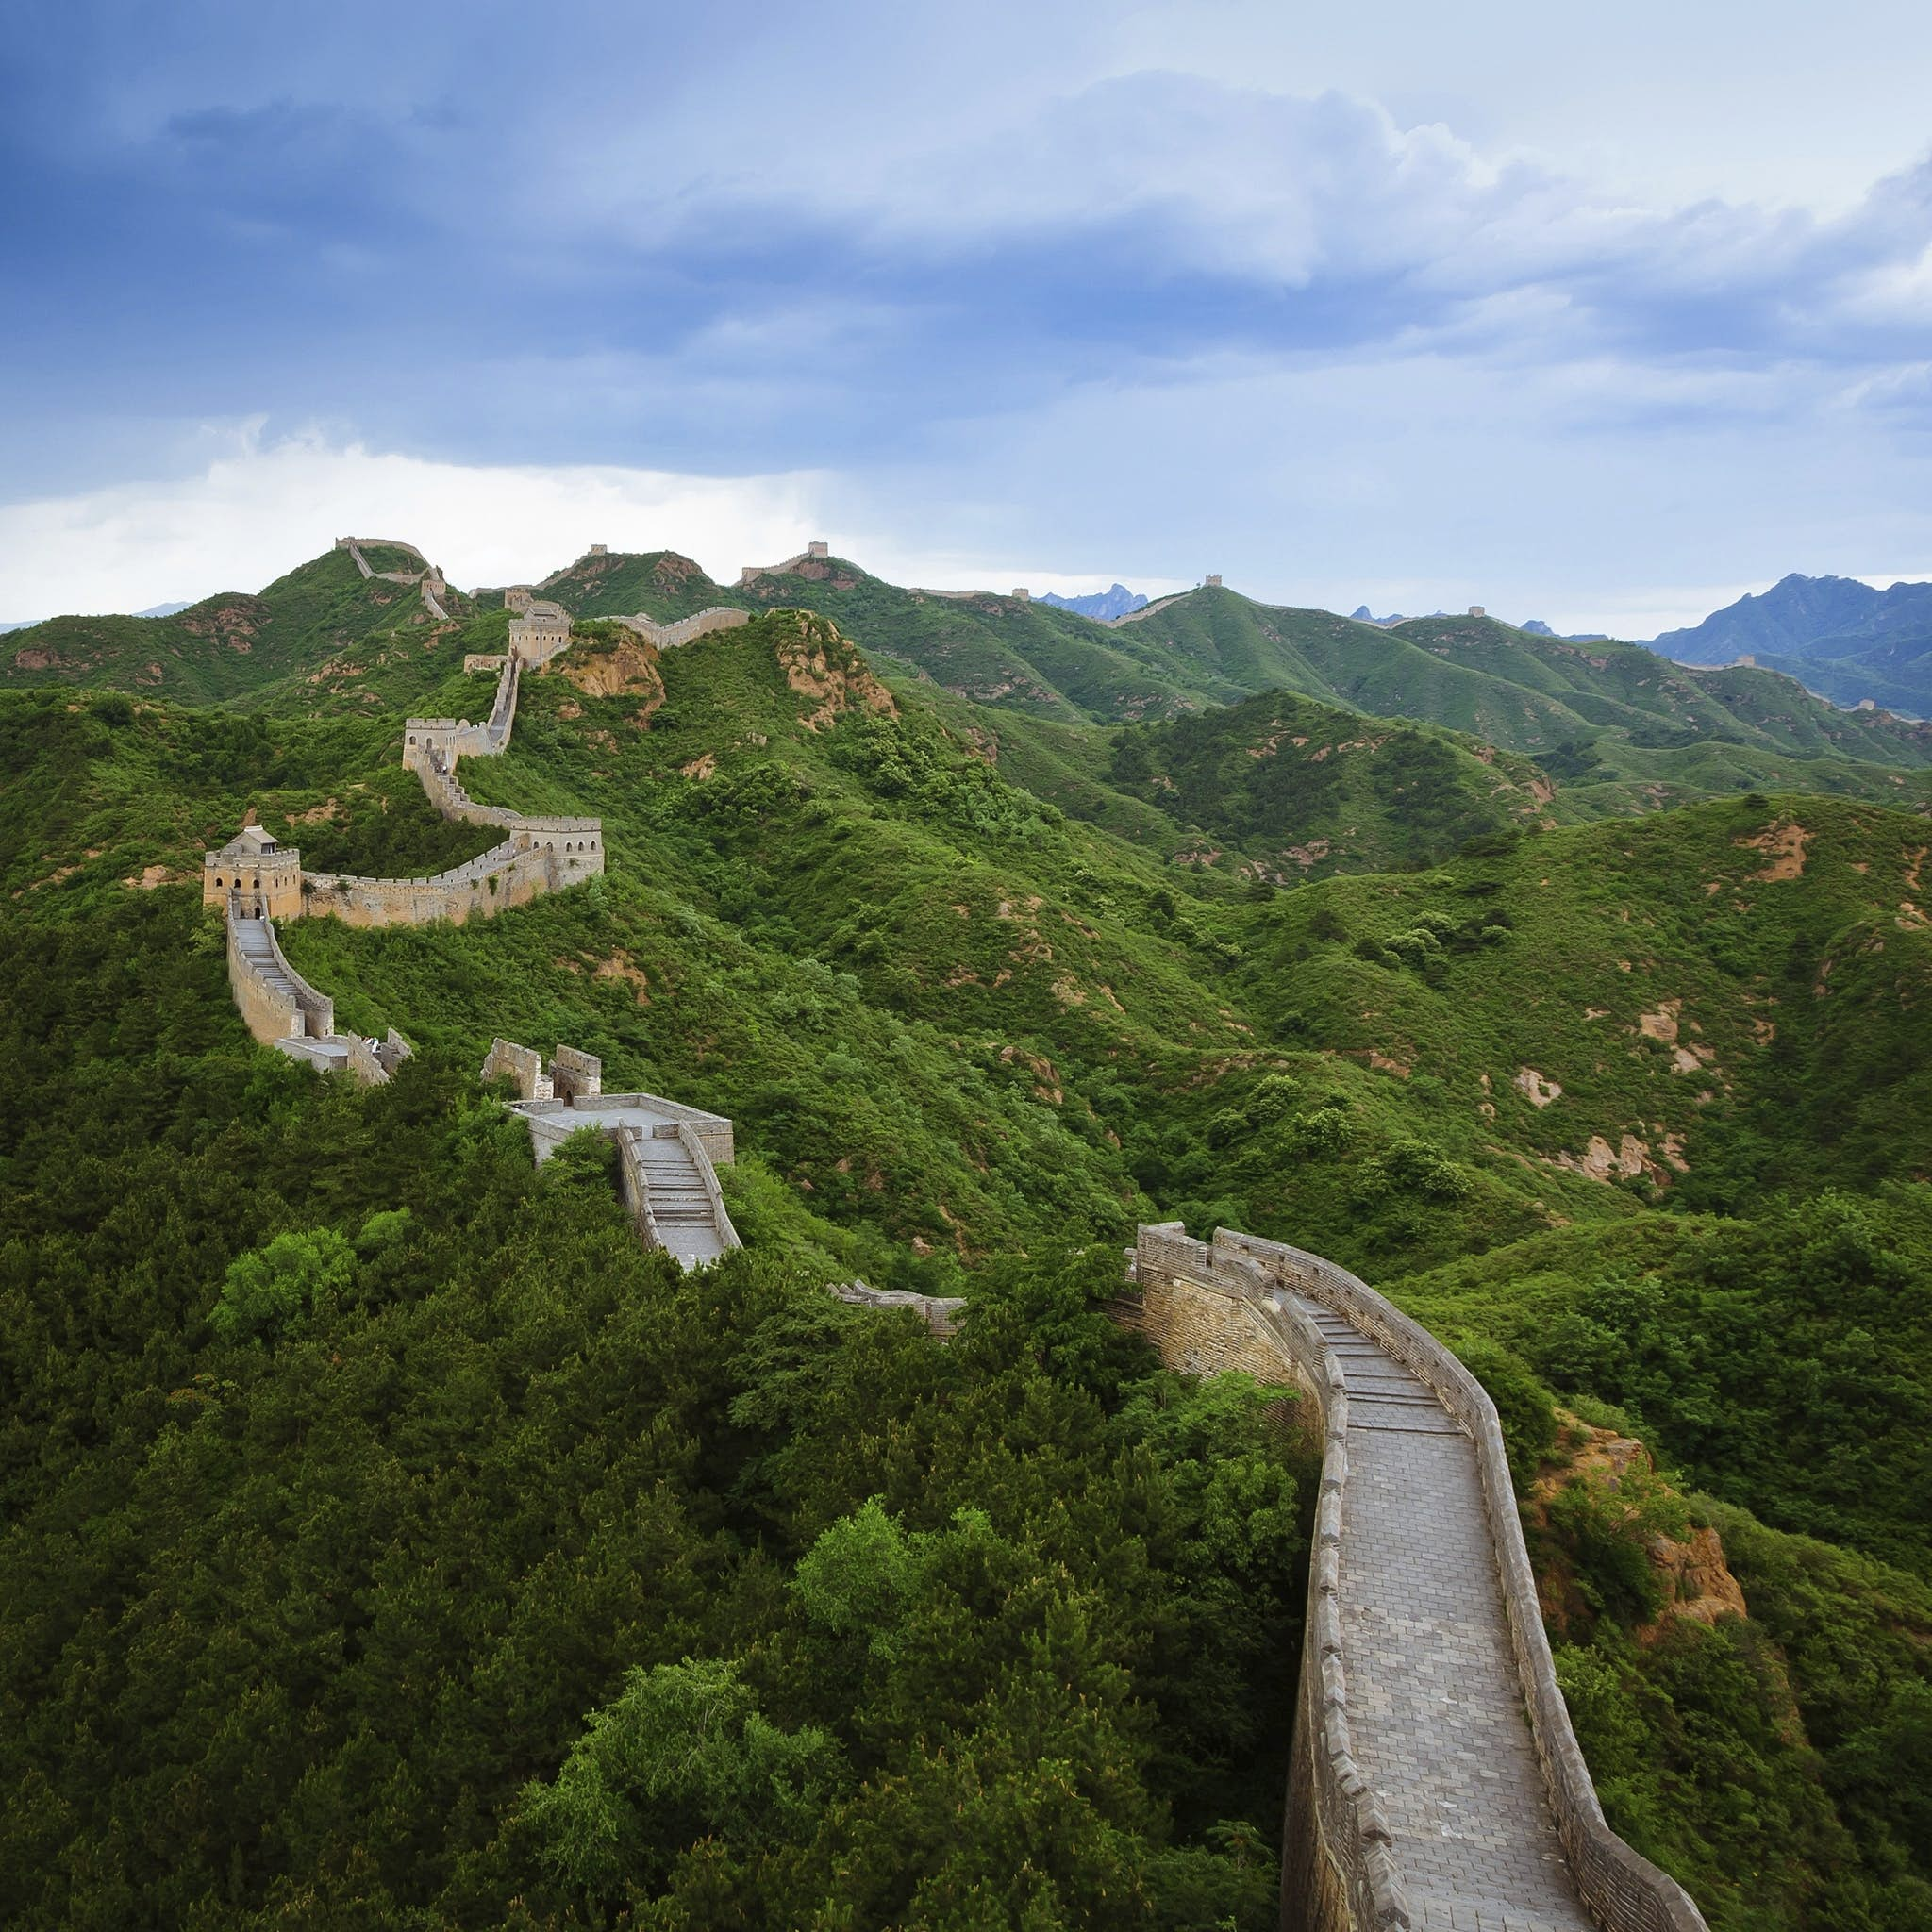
(258, 946)
(682, 1209)
(284, 1011)
(1435, 1782)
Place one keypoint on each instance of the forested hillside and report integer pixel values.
(385, 1531)
(1620, 728)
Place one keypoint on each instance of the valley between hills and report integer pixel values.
(1574, 997)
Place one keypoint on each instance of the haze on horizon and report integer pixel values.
(1602, 322)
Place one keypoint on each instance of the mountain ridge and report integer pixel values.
(1840, 637)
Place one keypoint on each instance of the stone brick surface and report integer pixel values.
(1420, 1794)
(1438, 1711)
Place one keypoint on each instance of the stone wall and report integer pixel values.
(521, 1064)
(539, 633)
(634, 1184)
(575, 1075)
(375, 1061)
(940, 1312)
(682, 630)
(1146, 610)
(814, 552)
(1198, 1329)
(271, 1011)
(713, 1131)
(1214, 1304)
(355, 546)
(511, 874)
(427, 739)
(270, 883)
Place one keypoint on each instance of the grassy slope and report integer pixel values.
(1300, 789)
(950, 1021)
(874, 889)
(227, 646)
(656, 583)
(1625, 731)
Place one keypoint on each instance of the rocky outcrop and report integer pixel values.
(825, 667)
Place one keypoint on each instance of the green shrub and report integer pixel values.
(264, 1290)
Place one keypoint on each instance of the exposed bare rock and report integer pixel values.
(821, 665)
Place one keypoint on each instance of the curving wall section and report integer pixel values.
(1435, 1779)
(683, 629)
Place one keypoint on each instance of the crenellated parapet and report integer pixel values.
(683, 630)
(281, 1009)
(356, 546)
(255, 865)
(1435, 1778)
(668, 1154)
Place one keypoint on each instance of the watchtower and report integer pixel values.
(540, 633)
(265, 873)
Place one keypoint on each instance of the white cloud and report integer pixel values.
(260, 508)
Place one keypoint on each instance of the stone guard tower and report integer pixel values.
(267, 874)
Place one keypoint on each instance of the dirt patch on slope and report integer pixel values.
(1536, 1087)
(1783, 844)
(629, 668)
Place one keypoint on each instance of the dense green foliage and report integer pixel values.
(390, 1540)
(321, 1543)
(1777, 1764)
(231, 645)
(1303, 790)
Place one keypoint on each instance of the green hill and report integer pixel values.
(1619, 728)
(227, 646)
(1634, 730)
(1634, 1110)
(1294, 790)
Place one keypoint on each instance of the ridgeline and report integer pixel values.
(391, 1457)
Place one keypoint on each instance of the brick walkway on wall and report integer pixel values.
(1436, 1702)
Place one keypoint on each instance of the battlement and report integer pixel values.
(254, 864)
(668, 1153)
(354, 546)
(539, 633)
(572, 1074)
(817, 551)
(1417, 1532)
(683, 629)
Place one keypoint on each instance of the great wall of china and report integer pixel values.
(1436, 1784)
(668, 1154)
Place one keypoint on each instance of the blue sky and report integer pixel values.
(1598, 321)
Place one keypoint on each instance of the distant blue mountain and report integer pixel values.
(1837, 636)
(153, 610)
(1099, 604)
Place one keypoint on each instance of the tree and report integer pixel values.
(266, 1289)
(683, 1754)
